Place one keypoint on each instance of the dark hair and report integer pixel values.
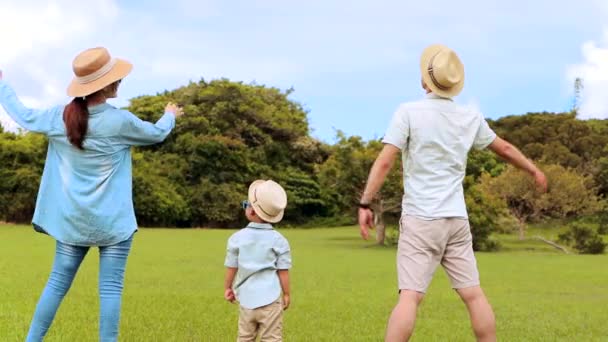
(76, 119)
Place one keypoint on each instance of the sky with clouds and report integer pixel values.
(350, 62)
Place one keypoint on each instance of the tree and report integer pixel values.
(234, 133)
(158, 195)
(231, 135)
(344, 174)
(21, 164)
(569, 194)
(578, 89)
(486, 210)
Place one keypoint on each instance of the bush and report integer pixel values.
(487, 214)
(583, 239)
(392, 235)
(603, 223)
(487, 245)
(491, 245)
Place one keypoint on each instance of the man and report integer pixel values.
(435, 136)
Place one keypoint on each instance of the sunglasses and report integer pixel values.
(245, 204)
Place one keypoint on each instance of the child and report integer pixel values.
(260, 258)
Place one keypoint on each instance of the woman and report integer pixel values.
(85, 196)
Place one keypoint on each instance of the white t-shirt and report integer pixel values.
(435, 135)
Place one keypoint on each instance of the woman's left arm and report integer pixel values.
(35, 120)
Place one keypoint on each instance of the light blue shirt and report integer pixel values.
(85, 196)
(258, 251)
(435, 135)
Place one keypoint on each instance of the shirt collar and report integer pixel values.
(96, 109)
(255, 225)
(436, 97)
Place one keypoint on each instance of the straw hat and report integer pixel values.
(442, 70)
(268, 199)
(95, 69)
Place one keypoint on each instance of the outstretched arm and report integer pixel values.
(34, 120)
(136, 132)
(382, 166)
(513, 156)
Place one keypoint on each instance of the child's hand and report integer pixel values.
(286, 301)
(229, 295)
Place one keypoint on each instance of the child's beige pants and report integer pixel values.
(265, 321)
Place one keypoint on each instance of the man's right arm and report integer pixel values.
(513, 156)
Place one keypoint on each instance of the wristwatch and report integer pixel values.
(364, 206)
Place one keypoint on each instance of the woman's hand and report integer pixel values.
(174, 109)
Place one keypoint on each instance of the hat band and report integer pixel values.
(431, 73)
(97, 74)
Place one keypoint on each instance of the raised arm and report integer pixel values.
(513, 156)
(136, 132)
(35, 120)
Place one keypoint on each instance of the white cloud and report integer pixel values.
(593, 70)
(38, 37)
(341, 56)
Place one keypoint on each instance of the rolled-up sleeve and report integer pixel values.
(485, 135)
(136, 132)
(397, 133)
(283, 252)
(232, 254)
(34, 120)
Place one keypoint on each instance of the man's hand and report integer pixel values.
(366, 221)
(513, 156)
(382, 166)
(286, 301)
(229, 295)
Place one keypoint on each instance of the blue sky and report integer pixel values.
(351, 62)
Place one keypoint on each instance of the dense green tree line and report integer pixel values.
(234, 133)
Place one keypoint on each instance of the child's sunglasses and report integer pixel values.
(245, 204)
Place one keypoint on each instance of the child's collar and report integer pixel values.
(256, 225)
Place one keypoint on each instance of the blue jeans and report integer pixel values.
(112, 263)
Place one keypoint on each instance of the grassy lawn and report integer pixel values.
(343, 289)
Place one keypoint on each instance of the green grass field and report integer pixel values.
(342, 290)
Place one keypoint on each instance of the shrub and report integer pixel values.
(392, 235)
(603, 227)
(583, 239)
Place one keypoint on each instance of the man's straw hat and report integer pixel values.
(442, 70)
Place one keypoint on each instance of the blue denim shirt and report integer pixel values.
(258, 251)
(85, 196)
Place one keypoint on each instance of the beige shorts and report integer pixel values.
(266, 322)
(424, 244)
